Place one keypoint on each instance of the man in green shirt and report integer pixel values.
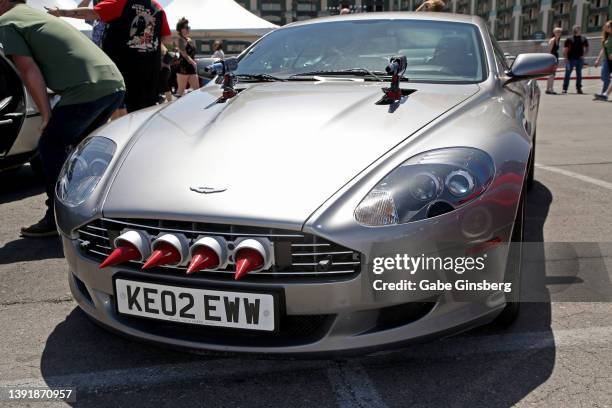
(49, 53)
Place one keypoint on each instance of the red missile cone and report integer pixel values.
(125, 252)
(164, 254)
(203, 258)
(247, 260)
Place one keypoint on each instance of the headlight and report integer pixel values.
(84, 169)
(429, 184)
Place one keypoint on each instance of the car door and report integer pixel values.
(12, 105)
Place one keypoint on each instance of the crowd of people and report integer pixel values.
(98, 79)
(575, 48)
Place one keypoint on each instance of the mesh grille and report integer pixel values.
(297, 255)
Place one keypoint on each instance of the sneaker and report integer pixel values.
(579, 92)
(551, 93)
(43, 228)
(565, 91)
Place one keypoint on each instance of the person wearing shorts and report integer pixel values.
(187, 74)
(553, 48)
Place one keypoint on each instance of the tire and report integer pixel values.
(513, 268)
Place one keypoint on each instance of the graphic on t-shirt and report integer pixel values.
(142, 30)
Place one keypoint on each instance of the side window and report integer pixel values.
(500, 58)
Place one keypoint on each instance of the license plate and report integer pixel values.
(239, 310)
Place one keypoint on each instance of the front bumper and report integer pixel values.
(332, 316)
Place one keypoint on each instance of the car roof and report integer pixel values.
(394, 15)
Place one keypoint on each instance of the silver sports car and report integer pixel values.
(347, 183)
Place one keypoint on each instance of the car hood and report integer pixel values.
(278, 150)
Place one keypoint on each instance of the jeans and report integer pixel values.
(605, 75)
(569, 67)
(68, 126)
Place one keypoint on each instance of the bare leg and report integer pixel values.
(194, 82)
(168, 96)
(182, 84)
(550, 85)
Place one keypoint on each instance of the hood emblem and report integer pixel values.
(207, 190)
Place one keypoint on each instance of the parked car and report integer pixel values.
(254, 217)
(19, 121)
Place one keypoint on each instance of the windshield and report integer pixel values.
(437, 51)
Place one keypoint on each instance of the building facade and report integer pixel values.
(509, 19)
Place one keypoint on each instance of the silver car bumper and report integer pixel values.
(338, 316)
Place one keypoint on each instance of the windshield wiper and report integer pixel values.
(259, 77)
(401, 77)
(353, 71)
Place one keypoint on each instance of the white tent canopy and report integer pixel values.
(63, 4)
(218, 18)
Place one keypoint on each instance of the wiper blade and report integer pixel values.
(259, 77)
(401, 77)
(352, 71)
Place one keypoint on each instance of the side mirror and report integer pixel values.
(529, 66)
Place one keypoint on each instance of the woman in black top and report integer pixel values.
(553, 48)
(188, 67)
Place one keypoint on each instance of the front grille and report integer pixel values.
(297, 255)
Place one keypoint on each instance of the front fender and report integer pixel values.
(488, 121)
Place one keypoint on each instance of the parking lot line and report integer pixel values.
(578, 176)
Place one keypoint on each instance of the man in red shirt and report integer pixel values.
(134, 33)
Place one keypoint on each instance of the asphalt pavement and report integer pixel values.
(557, 354)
